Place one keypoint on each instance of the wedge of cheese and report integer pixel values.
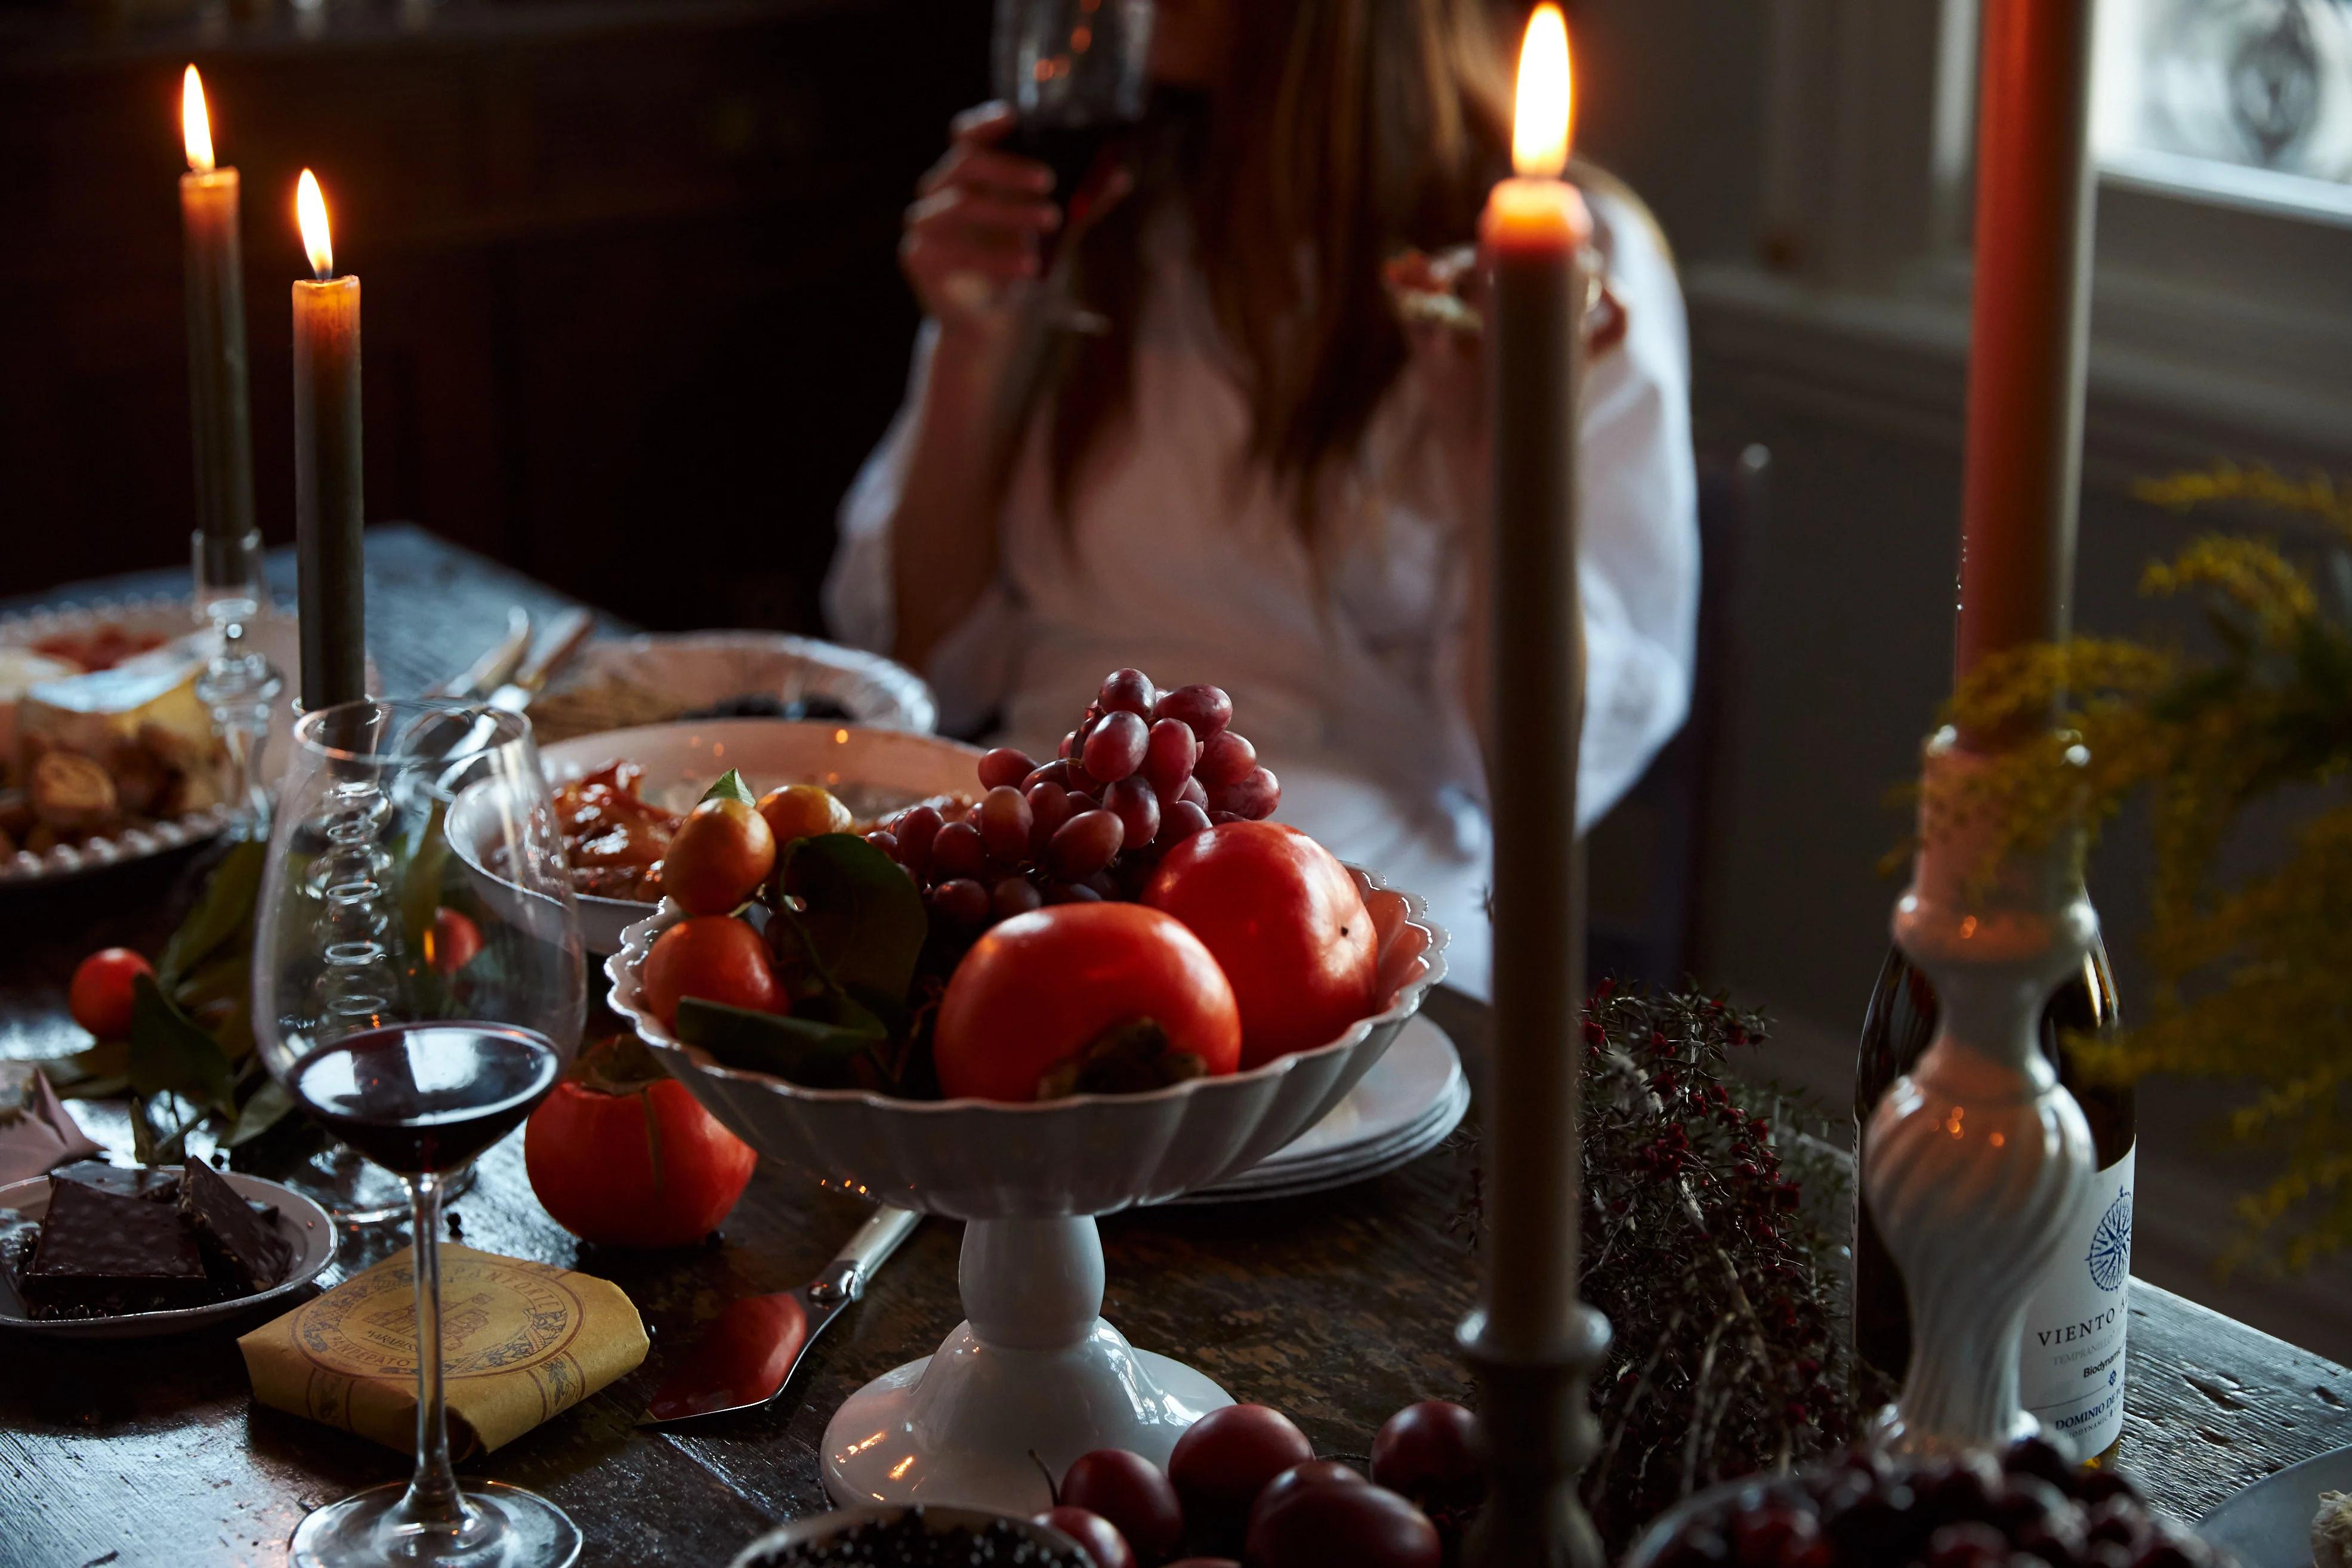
(96, 712)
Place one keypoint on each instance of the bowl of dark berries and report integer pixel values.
(914, 1537)
(2026, 1507)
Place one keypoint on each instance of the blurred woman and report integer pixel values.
(1257, 475)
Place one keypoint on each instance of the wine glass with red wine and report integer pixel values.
(1076, 73)
(419, 1010)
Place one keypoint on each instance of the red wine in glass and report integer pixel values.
(1069, 150)
(427, 1098)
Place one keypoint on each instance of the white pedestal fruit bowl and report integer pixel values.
(1034, 1375)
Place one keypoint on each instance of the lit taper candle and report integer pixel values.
(327, 492)
(217, 412)
(1533, 1344)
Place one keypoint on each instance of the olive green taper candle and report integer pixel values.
(219, 415)
(1532, 1342)
(328, 508)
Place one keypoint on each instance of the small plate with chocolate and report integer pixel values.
(99, 1251)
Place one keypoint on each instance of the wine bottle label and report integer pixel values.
(2071, 1360)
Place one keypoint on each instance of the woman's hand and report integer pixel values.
(1441, 302)
(975, 228)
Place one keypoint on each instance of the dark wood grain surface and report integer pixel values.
(1338, 1308)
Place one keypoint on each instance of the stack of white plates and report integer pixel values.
(1407, 1105)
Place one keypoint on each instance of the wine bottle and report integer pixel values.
(2071, 1357)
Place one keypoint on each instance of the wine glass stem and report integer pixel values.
(433, 1502)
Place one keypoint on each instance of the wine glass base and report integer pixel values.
(510, 1528)
(355, 1190)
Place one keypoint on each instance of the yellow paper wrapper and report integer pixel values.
(520, 1342)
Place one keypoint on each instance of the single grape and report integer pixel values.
(1014, 896)
(1071, 893)
(1004, 823)
(1137, 809)
(1195, 792)
(1429, 1452)
(917, 827)
(956, 852)
(1180, 821)
(1168, 755)
(1005, 765)
(1227, 758)
(1104, 884)
(1298, 1477)
(885, 840)
(1225, 1458)
(1253, 797)
(1103, 1545)
(1050, 772)
(1363, 1526)
(1126, 692)
(1131, 1492)
(1069, 744)
(1115, 748)
(1766, 1536)
(1083, 845)
(962, 900)
(1972, 1544)
(1203, 710)
(1049, 807)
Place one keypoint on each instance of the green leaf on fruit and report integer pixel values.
(222, 915)
(805, 1051)
(730, 787)
(263, 1110)
(88, 1075)
(169, 1055)
(861, 921)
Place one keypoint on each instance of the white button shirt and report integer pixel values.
(1181, 559)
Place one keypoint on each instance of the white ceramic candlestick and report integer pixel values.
(1979, 1157)
(1033, 1376)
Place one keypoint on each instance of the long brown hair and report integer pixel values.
(1347, 131)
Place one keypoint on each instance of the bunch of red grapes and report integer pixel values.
(2028, 1507)
(1144, 770)
(1244, 1486)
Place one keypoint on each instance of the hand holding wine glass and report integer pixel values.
(419, 1013)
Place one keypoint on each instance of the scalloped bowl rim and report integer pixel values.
(637, 939)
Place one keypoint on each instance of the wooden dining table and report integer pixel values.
(1338, 1308)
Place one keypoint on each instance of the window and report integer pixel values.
(2222, 312)
(2238, 100)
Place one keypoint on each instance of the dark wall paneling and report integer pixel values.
(632, 314)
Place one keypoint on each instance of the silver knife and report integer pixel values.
(745, 1357)
(497, 665)
(572, 630)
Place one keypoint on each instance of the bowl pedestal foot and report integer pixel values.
(1033, 1376)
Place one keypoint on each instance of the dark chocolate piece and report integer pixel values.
(102, 1255)
(244, 1251)
(156, 1184)
(18, 1237)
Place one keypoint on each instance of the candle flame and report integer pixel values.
(310, 208)
(1546, 97)
(196, 126)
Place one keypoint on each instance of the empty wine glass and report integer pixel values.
(1076, 73)
(419, 1012)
